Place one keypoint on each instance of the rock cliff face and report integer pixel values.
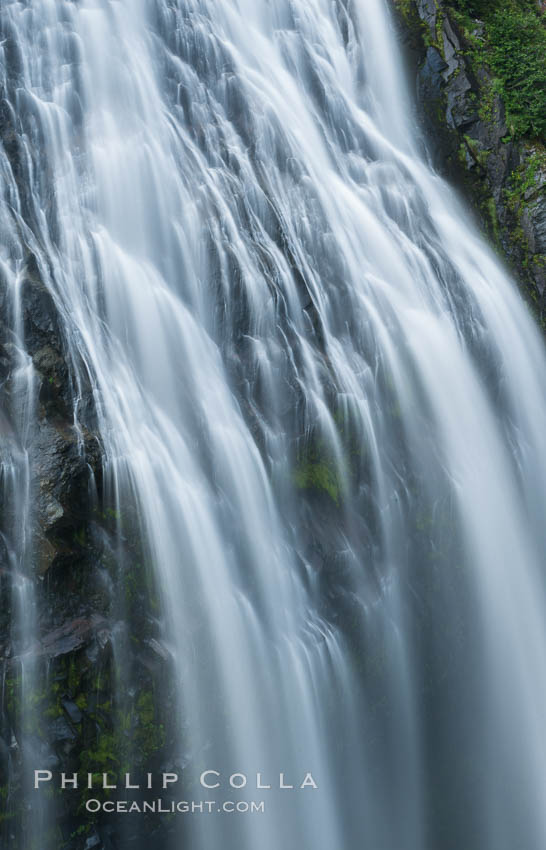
(470, 139)
(94, 597)
(63, 705)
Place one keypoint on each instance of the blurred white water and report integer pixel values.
(323, 392)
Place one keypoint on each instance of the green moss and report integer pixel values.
(318, 476)
(524, 177)
(488, 98)
(133, 735)
(13, 688)
(318, 466)
(461, 153)
(522, 181)
(136, 582)
(440, 29)
(9, 810)
(479, 154)
(517, 50)
(110, 513)
(409, 13)
(491, 211)
(53, 711)
(80, 537)
(102, 756)
(83, 830)
(513, 46)
(150, 735)
(29, 709)
(145, 707)
(74, 675)
(413, 22)
(406, 8)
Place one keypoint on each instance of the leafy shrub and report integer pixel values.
(474, 8)
(517, 56)
(515, 49)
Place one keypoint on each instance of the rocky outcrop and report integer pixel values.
(469, 141)
(94, 601)
(99, 696)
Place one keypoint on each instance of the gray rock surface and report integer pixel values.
(468, 139)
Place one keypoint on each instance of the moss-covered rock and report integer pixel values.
(481, 84)
(319, 475)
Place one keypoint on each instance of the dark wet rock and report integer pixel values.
(72, 710)
(154, 657)
(430, 74)
(427, 12)
(536, 198)
(5, 353)
(467, 139)
(53, 372)
(158, 649)
(461, 109)
(74, 635)
(4, 762)
(65, 462)
(72, 618)
(62, 733)
(40, 315)
(450, 50)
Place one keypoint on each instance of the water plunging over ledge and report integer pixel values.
(318, 389)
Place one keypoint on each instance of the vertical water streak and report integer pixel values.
(321, 392)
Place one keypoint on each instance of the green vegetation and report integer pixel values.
(5, 813)
(319, 470)
(318, 475)
(101, 756)
(130, 734)
(475, 8)
(150, 734)
(518, 58)
(521, 197)
(514, 47)
(524, 178)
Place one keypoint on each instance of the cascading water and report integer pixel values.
(321, 392)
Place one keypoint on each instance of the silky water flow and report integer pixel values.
(322, 393)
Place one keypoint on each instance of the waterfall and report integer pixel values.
(319, 394)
